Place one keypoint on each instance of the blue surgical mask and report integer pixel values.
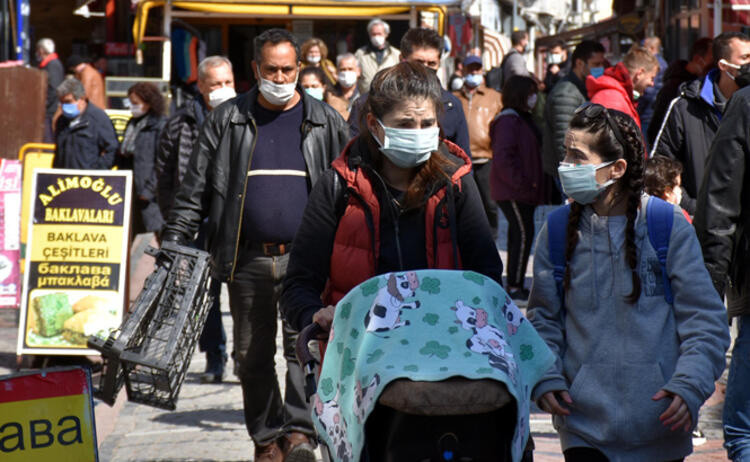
(579, 181)
(70, 110)
(409, 147)
(316, 93)
(597, 72)
(473, 80)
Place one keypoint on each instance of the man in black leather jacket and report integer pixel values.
(251, 171)
(722, 221)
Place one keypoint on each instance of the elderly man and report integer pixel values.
(250, 174)
(216, 85)
(84, 135)
(379, 54)
(49, 63)
(345, 92)
(90, 78)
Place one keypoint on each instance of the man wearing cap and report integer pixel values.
(91, 79)
(481, 104)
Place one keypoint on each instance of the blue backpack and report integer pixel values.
(659, 218)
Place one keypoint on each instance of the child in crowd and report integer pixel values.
(662, 179)
(633, 364)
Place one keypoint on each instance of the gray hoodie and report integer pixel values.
(613, 356)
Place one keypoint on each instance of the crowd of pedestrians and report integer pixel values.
(334, 169)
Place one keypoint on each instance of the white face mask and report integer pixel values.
(316, 93)
(409, 147)
(532, 101)
(218, 96)
(347, 79)
(313, 59)
(555, 58)
(377, 41)
(137, 110)
(278, 94)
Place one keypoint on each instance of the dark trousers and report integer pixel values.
(213, 339)
(588, 455)
(520, 218)
(482, 177)
(253, 300)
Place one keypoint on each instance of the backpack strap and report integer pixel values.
(557, 230)
(659, 218)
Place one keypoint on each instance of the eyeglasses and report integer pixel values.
(593, 111)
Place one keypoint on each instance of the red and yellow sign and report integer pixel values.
(47, 415)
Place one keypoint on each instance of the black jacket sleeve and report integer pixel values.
(165, 165)
(475, 244)
(310, 259)
(107, 142)
(720, 199)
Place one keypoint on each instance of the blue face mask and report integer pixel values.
(70, 110)
(473, 80)
(316, 93)
(597, 72)
(579, 181)
(408, 147)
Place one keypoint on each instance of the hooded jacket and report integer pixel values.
(566, 96)
(613, 356)
(722, 224)
(675, 75)
(687, 131)
(350, 219)
(614, 90)
(214, 185)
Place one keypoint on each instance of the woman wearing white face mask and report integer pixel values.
(314, 53)
(138, 153)
(398, 198)
(517, 182)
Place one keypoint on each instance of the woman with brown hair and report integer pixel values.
(398, 198)
(314, 53)
(138, 153)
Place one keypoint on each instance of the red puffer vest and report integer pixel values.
(356, 246)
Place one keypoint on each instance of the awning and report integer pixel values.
(734, 12)
(296, 9)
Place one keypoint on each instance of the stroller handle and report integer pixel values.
(305, 358)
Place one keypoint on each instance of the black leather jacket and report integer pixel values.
(215, 180)
(722, 218)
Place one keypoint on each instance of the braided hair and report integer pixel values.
(606, 145)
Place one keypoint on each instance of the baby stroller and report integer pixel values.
(385, 404)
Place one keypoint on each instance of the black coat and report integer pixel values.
(566, 96)
(55, 76)
(173, 153)
(87, 142)
(144, 174)
(675, 75)
(214, 184)
(722, 219)
(687, 132)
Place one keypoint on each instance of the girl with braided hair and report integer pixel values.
(633, 368)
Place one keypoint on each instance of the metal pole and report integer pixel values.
(718, 16)
(514, 25)
(166, 55)
(6, 32)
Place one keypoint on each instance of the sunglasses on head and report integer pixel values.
(593, 111)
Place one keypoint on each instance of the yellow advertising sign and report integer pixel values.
(47, 415)
(74, 283)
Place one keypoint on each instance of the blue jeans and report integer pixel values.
(736, 417)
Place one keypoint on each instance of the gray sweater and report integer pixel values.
(613, 356)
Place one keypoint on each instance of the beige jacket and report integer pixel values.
(370, 67)
(480, 109)
(93, 83)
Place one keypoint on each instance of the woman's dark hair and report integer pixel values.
(661, 175)
(388, 90)
(316, 71)
(606, 145)
(150, 95)
(516, 92)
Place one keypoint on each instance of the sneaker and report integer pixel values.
(268, 453)
(698, 437)
(299, 448)
(214, 368)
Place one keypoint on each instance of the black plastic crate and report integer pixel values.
(129, 336)
(155, 369)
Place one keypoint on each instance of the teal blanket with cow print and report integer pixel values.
(424, 325)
